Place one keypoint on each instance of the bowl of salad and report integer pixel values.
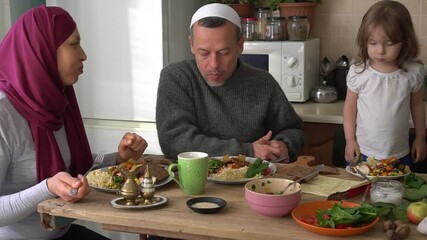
(336, 218)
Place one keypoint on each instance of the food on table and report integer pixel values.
(236, 168)
(422, 226)
(112, 178)
(383, 168)
(396, 229)
(102, 179)
(341, 217)
(205, 205)
(156, 171)
(417, 211)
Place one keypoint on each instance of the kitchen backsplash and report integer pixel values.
(337, 23)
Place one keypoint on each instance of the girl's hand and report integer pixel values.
(351, 150)
(131, 146)
(62, 184)
(419, 150)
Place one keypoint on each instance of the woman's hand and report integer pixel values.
(131, 146)
(63, 185)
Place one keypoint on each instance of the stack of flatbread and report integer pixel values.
(156, 170)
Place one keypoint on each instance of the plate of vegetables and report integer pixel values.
(389, 168)
(336, 218)
(238, 169)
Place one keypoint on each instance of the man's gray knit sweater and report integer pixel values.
(193, 116)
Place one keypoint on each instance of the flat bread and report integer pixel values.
(156, 171)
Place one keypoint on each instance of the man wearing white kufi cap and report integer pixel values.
(217, 104)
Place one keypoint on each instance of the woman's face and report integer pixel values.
(70, 59)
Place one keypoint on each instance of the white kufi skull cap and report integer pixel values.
(216, 10)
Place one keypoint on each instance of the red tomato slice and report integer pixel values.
(343, 226)
(308, 219)
(266, 171)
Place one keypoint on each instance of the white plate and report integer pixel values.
(110, 190)
(121, 203)
(348, 169)
(244, 180)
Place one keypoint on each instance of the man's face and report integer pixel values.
(216, 51)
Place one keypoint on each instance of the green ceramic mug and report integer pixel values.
(192, 172)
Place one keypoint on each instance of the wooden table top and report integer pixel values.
(176, 220)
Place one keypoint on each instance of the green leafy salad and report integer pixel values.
(344, 217)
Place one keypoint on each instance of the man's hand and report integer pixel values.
(268, 149)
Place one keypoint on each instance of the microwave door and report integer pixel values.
(265, 56)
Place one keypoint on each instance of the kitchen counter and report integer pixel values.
(325, 112)
(320, 112)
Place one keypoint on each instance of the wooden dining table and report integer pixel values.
(175, 220)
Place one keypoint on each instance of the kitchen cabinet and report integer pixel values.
(323, 126)
(319, 141)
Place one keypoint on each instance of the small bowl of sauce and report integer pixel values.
(206, 205)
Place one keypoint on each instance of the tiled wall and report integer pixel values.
(337, 23)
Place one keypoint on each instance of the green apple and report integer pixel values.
(416, 212)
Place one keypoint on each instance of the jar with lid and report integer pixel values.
(249, 28)
(387, 191)
(262, 14)
(298, 28)
(274, 30)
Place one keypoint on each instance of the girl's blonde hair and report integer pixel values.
(396, 20)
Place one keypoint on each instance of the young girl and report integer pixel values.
(385, 86)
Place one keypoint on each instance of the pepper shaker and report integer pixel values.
(147, 187)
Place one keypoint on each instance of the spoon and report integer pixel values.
(317, 169)
(342, 61)
(362, 174)
(326, 66)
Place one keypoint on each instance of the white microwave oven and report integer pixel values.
(294, 64)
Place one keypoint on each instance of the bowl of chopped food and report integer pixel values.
(206, 205)
(336, 218)
(268, 196)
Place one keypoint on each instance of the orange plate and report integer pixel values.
(310, 209)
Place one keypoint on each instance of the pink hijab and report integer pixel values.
(29, 77)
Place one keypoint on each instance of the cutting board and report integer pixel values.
(322, 184)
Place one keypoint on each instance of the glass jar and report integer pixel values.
(274, 30)
(249, 28)
(387, 191)
(262, 14)
(298, 28)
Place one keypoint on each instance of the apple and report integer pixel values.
(416, 211)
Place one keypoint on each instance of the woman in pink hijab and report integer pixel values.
(43, 145)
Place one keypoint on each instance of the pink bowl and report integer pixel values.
(266, 196)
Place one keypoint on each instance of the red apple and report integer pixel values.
(416, 212)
